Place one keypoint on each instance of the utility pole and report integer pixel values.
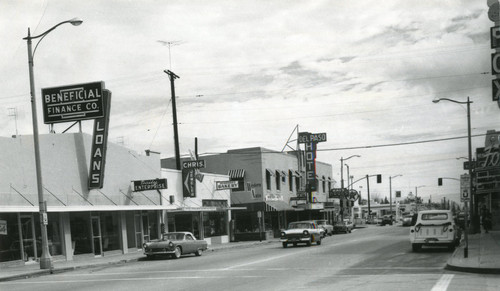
(172, 78)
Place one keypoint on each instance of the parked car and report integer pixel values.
(323, 223)
(434, 228)
(407, 220)
(386, 219)
(175, 244)
(344, 226)
(301, 232)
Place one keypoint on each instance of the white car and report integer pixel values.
(323, 223)
(301, 232)
(434, 228)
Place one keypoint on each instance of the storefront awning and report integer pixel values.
(236, 174)
(278, 206)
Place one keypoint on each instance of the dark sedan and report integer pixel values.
(175, 244)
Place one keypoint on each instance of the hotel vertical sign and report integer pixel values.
(99, 145)
(310, 140)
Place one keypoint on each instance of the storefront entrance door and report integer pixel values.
(96, 235)
(28, 245)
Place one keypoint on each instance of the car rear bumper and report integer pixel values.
(432, 241)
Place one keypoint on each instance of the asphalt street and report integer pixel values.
(373, 258)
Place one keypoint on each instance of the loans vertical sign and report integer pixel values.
(99, 145)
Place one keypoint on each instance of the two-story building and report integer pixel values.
(271, 188)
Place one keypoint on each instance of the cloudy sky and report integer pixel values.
(365, 72)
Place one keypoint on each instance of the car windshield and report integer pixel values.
(299, 225)
(173, 236)
(434, 216)
(321, 222)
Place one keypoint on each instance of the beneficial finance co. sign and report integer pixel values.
(73, 102)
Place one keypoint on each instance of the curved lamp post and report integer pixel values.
(45, 259)
(468, 102)
(342, 179)
(390, 191)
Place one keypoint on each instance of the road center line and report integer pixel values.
(443, 283)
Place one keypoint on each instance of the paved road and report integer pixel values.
(374, 258)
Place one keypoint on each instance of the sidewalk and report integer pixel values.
(483, 254)
(21, 271)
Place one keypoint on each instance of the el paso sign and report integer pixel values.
(73, 102)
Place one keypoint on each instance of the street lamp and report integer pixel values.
(342, 179)
(45, 259)
(390, 191)
(468, 102)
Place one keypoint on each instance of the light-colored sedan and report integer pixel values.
(301, 232)
(175, 244)
(323, 223)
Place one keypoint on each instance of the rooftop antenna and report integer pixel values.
(170, 44)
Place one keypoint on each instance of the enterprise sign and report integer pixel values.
(73, 102)
(155, 184)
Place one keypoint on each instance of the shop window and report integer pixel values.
(323, 184)
(290, 181)
(268, 180)
(10, 245)
(214, 223)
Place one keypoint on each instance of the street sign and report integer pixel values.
(307, 137)
(224, 185)
(464, 188)
(471, 165)
(73, 102)
(188, 183)
(154, 184)
(338, 193)
(197, 164)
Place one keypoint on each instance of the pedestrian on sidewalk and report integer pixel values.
(486, 218)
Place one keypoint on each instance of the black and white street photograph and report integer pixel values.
(250, 145)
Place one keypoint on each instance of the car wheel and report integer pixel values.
(149, 257)
(308, 243)
(177, 252)
(294, 244)
(198, 252)
(285, 245)
(416, 247)
(318, 242)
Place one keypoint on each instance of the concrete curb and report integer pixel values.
(472, 269)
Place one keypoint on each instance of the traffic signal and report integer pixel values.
(379, 179)
(440, 181)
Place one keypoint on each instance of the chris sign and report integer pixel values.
(99, 145)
